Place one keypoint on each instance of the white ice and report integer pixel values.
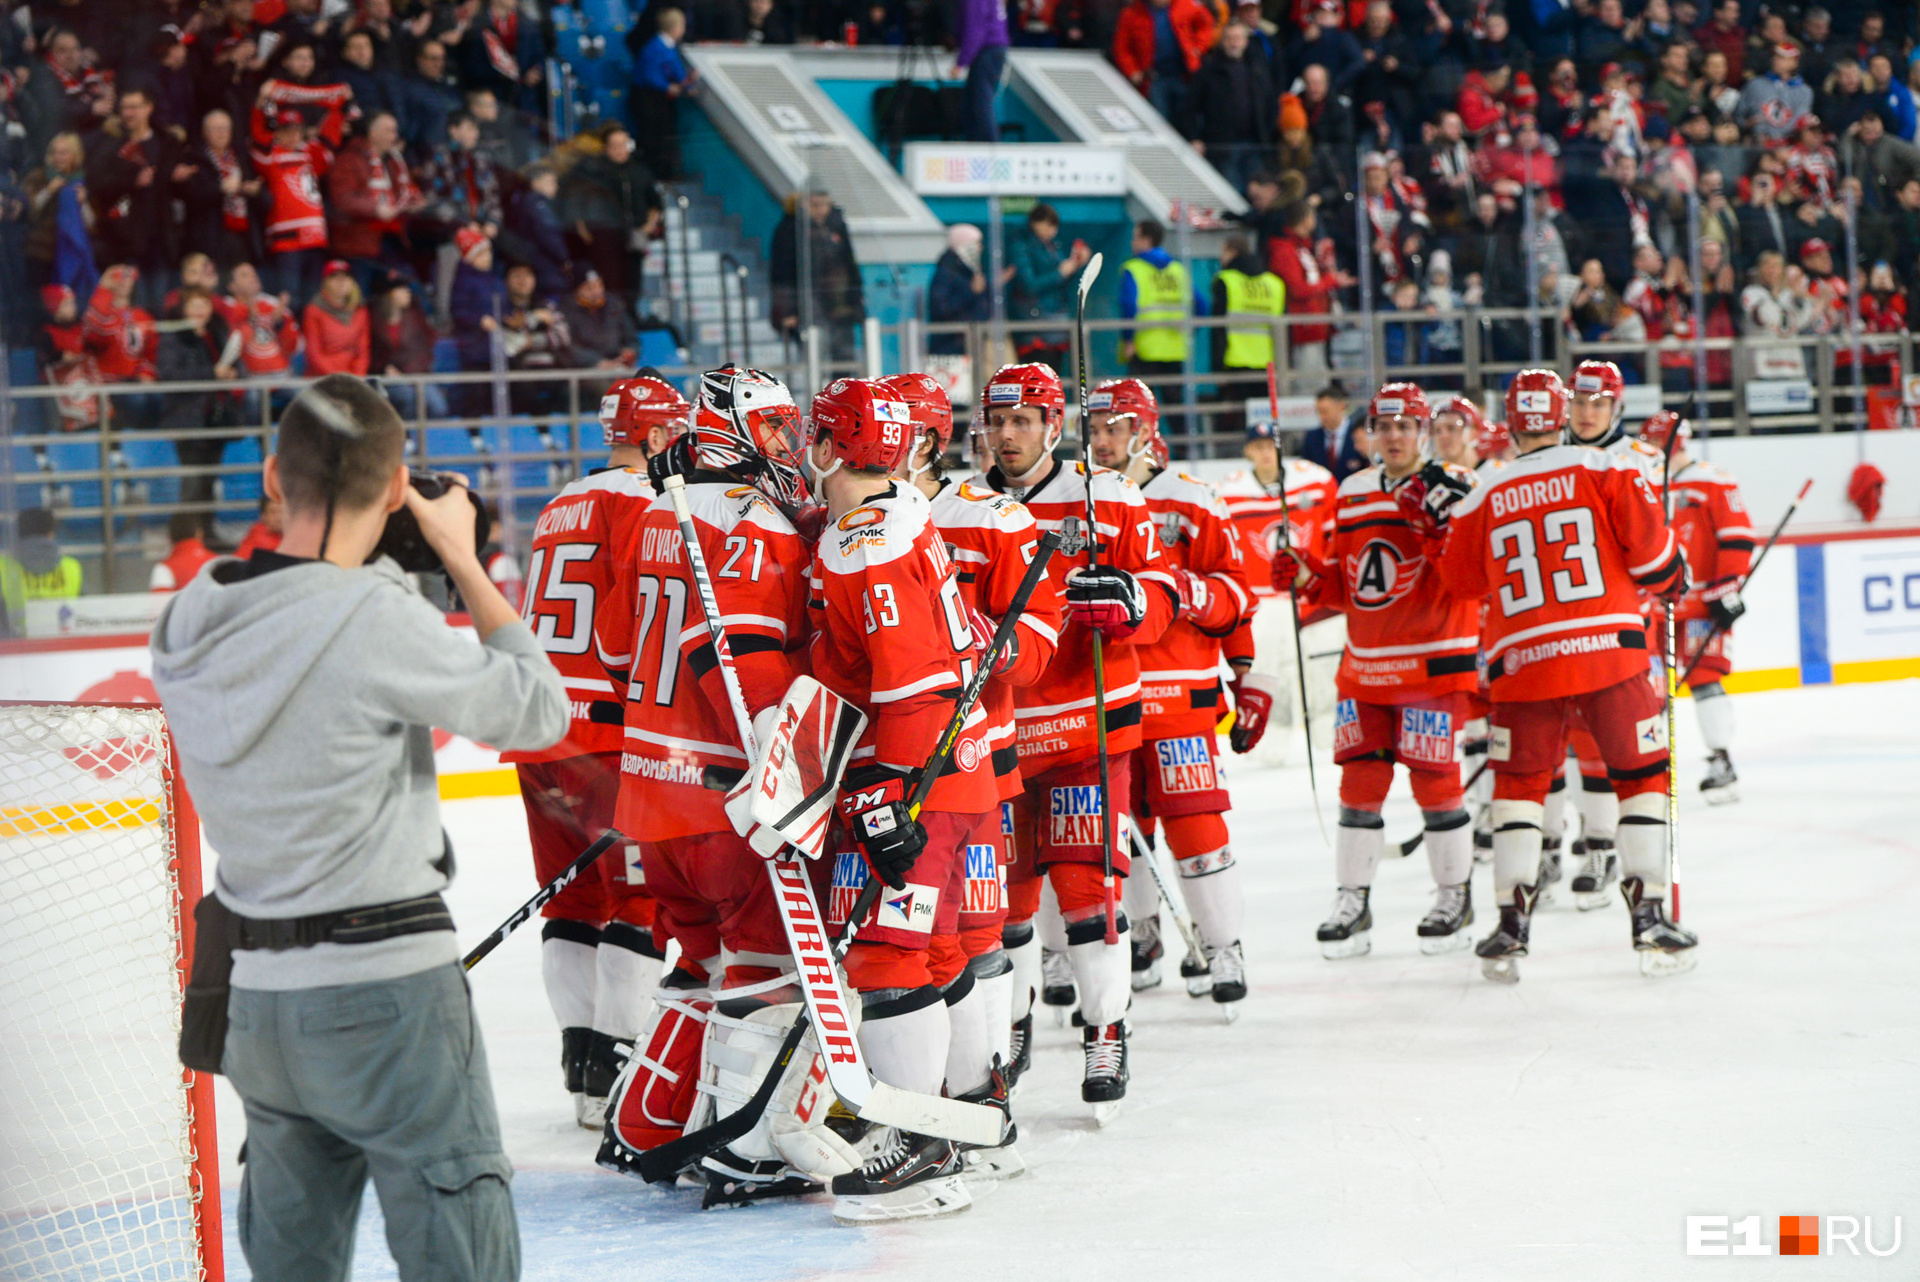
(1387, 1117)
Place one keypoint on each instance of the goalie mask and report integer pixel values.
(747, 426)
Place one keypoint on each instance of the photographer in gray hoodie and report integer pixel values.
(302, 686)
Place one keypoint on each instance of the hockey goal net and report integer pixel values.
(108, 1167)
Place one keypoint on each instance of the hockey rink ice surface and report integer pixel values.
(1393, 1116)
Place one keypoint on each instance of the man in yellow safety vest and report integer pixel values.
(1156, 290)
(36, 569)
(1250, 297)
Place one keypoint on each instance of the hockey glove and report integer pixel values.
(1676, 590)
(873, 802)
(983, 629)
(1107, 598)
(1253, 696)
(1428, 496)
(1723, 601)
(675, 460)
(1294, 567)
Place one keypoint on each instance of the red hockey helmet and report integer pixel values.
(1493, 441)
(633, 407)
(1536, 402)
(927, 401)
(1131, 398)
(867, 427)
(1028, 384)
(1400, 400)
(747, 424)
(1469, 409)
(1664, 424)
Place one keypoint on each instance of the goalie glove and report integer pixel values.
(1108, 598)
(1428, 496)
(873, 802)
(1723, 601)
(1253, 697)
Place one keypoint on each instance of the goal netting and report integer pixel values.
(107, 1161)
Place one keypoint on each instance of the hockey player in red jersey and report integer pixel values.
(597, 954)
(1411, 659)
(1711, 521)
(1177, 781)
(895, 638)
(741, 460)
(1130, 598)
(1455, 435)
(1461, 436)
(1564, 540)
(992, 539)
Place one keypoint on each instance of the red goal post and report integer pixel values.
(109, 1165)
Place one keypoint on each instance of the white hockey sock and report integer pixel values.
(905, 1038)
(568, 967)
(1139, 892)
(1358, 844)
(1516, 846)
(1052, 928)
(1449, 841)
(1553, 821)
(996, 993)
(625, 978)
(1599, 810)
(1103, 972)
(1715, 711)
(1022, 946)
(1211, 883)
(1643, 841)
(969, 1034)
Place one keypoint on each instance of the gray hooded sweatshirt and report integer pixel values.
(301, 703)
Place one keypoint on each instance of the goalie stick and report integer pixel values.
(815, 970)
(665, 1161)
(581, 862)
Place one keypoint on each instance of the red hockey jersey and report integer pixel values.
(1055, 713)
(579, 603)
(678, 720)
(1180, 673)
(296, 214)
(1408, 636)
(1563, 540)
(1255, 509)
(268, 335)
(992, 540)
(1714, 529)
(893, 638)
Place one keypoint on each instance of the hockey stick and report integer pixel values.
(1412, 843)
(1293, 601)
(1147, 853)
(1087, 277)
(1671, 656)
(1713, 633)
(815, 970)
(664, 1161)
(541, 897)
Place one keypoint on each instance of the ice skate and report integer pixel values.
(1022, 1050)
(1722, 783)
(1228, 965)
(1056, 985)
(1444, 928)
(1105, 1083)
(1550, 874)
(606, 1056)
(1665, 947)
(1599, 869)
(909, 1177)
(1349, 931)
(1500, 952)
(1000, 1161)
(732, 1180)
(1199, 978)
(1147, 952)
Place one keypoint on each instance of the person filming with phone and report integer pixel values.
(303, 685)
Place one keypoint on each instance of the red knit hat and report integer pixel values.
(468, 239)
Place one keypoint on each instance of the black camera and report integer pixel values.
(402, 539)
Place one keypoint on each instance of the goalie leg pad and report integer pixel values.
(653, 1099)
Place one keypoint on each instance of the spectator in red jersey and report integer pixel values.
(269, 335)
(1157, 44)
(296, 223)
(373, 196)
(1482, 100)
(187, 533)
(1310, 288)
(338, 330)
(402, 343)
(266, 532)
(123, 342)
(1883, 310)
(65, 360)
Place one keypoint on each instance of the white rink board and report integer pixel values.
(1392, 1117)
